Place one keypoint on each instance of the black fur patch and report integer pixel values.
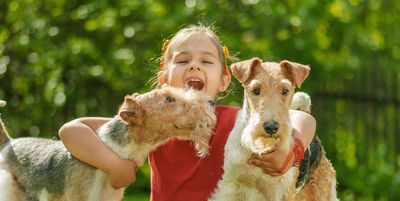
(40, 163)
(116, 130)
(312, 157)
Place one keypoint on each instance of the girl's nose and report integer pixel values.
(194, 66)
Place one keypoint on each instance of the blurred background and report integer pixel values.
(64, 59)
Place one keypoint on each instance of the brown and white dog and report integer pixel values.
(264, 121)
(37, 169)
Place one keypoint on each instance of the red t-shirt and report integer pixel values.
(178, 174)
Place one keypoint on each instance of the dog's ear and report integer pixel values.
(296, 72)
(243, 70)
(131, 112)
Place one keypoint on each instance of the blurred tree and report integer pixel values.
(65, 59)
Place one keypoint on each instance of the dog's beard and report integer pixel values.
(264, 144)
(257, 141)
(201, 138)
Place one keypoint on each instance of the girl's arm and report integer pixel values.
(272, 163)
(80, 139)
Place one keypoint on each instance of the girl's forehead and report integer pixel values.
(201, 44)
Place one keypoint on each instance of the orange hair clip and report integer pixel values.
(226, 55)
(163, 49)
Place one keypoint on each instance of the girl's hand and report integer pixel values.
(123, 173)
(273, 162)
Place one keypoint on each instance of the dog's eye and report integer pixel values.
(285, 91)
(256, 91)
(169, 99)
(211, 103)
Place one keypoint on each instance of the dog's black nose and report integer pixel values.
(271, 127)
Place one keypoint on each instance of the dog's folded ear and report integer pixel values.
(131, 112)
(243, 70)
(296, 72)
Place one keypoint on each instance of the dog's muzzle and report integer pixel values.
(271, 127)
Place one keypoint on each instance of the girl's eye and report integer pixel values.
(256, 91)
(285, 91)
(182, 61)
(208, 62)
(169, 99)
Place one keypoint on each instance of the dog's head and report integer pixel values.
(166, 113)
(269, 89)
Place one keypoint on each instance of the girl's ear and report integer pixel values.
(225, 81)
(162, 77)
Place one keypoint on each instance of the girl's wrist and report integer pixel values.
(295, 155)
(298, 149)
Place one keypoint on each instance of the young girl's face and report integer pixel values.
(196, 63)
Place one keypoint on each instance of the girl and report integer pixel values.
(194, 57)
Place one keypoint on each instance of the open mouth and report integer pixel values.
(195, 84)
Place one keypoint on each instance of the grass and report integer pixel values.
(136, 197)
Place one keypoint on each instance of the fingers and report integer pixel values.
(267, 167)
(135, 168)
(269, 162)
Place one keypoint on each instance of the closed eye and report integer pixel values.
(208, 62)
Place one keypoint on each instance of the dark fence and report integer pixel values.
(359, 123)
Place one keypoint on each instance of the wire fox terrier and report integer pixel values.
(260, 125)
(43, 169)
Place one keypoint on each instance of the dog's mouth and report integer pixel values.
(195, 84)
(265, 143)
(184, 127)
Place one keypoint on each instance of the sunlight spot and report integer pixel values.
(96, 70)
(4, 61)
(129, 32)
(34, 131)
(53, 31)
(295, 21)
(33, 57)
(190, 3)
(24, 40)
(250, 2)
(59, 98)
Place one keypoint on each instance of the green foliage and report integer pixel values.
(60, 60)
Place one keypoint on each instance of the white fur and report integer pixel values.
(7, 183)
(6, 186)
(140, 150)
(238, 150)
(98, 190)
(43, 195)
